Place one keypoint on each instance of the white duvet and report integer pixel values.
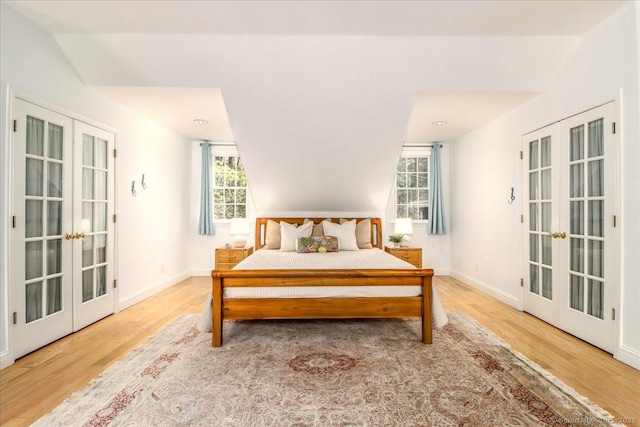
(361, 259)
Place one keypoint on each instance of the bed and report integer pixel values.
(338, 291)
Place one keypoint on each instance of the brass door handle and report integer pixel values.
(78, 236)
(561, 235)
(69, 236)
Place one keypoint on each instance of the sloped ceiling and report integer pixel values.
(319, 96)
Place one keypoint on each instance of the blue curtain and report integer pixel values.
(436, 203)
(205, 225)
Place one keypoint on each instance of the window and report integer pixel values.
(230, 186)
(412, 184)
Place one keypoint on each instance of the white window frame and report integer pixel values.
(229, 150)
(411, 151)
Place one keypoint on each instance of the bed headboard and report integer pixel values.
(261, 227)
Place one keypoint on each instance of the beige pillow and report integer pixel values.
(317, 228)
(363, 233)
(272, 235)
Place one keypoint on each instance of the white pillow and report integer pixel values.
(345, 232)
(289, 234)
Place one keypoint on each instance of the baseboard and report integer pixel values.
(5, 360)
(151, 290)
(487, 289)
(628, 356)
(200, 273)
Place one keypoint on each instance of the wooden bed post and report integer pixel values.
(216, 309)
(427, 309)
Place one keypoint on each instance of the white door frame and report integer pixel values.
(7, 357)
(619, 351)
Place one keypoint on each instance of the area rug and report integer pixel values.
(325, 373)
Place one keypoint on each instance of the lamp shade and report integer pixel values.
(403, 226)
(239, 226)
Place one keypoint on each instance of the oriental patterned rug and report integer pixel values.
(325, 373)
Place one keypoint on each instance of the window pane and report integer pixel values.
(533, 155)
(87, 285)
(403, 197)
(546, 249)
(401, 211)
(401, 180)
(100, 211)
(595, 303)
(241, 211)
(229, 212)
(87, 251)
(533, 216)
(87, 150)
(596, 218)
(33, 260)
(101, 153)
(423, 164)
(229, 196)
(545, 151)
(576, 180)
(34, 219)
(533, 247)
(54, 218)
(402, 164)
(87, 183)
(54, 295)
(423, 180)
(547, 283)
(412, 164)
(87, 217)
(35, 136)
(101, 281)
(33, 177)
(545, 177)
(577, 143)
(54, 179)
(545, 225)
(576, 255)
(412, 180)
(596, 178)
(101, 185)
(534, 286)
(596, 258)
(577, 218)
(54, 256)
(533, 186)
(576, 289)
(55, 141)
(101, 248)
(596, 140)
(33, 303)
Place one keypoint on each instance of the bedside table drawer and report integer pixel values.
(410, 255)
(230, 256)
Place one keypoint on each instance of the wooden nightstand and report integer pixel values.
(227, 258)
(410, 255)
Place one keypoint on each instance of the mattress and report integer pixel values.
(265, 259)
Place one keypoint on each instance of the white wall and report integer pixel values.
(486, 230)
(152, 228)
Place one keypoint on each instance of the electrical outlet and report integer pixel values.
(162, 268)
(476, 268)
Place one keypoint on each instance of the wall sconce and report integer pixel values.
(143, 184)
(133, 189)
(512, 197)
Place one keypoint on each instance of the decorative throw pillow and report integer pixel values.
(319, 244)
(363, 233)
(271, 235)
(345, 232)
(317, 228)
(289, 233)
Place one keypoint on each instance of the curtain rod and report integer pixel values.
(421, 145)
(218, 143)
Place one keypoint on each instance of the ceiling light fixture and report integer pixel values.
(200, 121)
(439, 123)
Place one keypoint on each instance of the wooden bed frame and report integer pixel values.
(321, 308)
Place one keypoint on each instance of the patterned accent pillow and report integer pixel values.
(305, 245)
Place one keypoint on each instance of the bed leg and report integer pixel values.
(427, 310)
(216, 310)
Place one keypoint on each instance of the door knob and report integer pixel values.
(561, 235)
(78, 235)
(69, 236)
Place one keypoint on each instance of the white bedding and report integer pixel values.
(361, 259)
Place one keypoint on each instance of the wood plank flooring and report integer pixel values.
(38, 382)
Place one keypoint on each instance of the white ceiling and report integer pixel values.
(319, 85)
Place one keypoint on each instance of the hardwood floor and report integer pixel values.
(38, 382)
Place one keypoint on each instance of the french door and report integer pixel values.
(571, 239)
(62, 243)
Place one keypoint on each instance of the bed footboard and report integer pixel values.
(321, 308)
